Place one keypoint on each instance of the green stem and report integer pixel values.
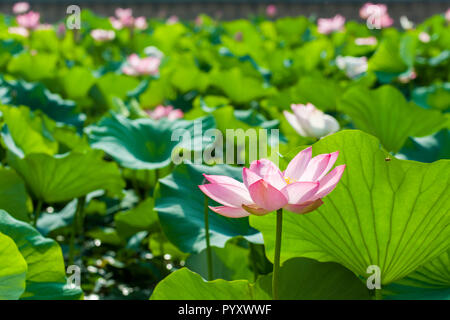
(37, 212)
(378, 295)
(134, 181)
(253, 261)
(208, 245)
(276, 260)
(77, 219)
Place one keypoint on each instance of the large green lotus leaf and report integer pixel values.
(238, 87)
(386, 212)
(146, 143)
(46, 277)
(321, 92)
(76, 82)
(386, 114)
(431, 281)
(49, 222)
(64, 177)
(140, 218)
(13, 194)
(13, 270)
(184, 284)
(180, 206)
(113, 85)
(37, 96)
(229, 263)
(25, 132)
(436, 96)
(307, 279)
(33, 67)
(388, 58)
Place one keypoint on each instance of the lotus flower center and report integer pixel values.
(289, 180)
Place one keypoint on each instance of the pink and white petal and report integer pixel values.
(331, 162)
(298, 165)
(254, 209)
(300, 192)
(223, 180)
(261, 167)
(230, 212)
(226, 194)
(329, 182)
(269, 171)
(249, 177)
(331, 123)
(316, 166)
(275, 177)
(267, 196)
(304, 208)
(293, 121)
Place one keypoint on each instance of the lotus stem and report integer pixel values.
(77, 219)
(208, 245)
(276, 260)
(37, 212)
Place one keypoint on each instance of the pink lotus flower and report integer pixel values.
(369, 41)
(45, 26)
(406, 23)
(352, 66)
(21, 31)
(146, 66)
(447, 15)
(198, 21)
(20, 7)
(61, 30)
(326, 26)
(29, 20)
(103, 35)
(369, 9)
(124, 18)
(165, 112)
(300, 188)
(376, 15)
(424, 37)
(271, 10)
(172, 19)
(140, 23)
(309, 121)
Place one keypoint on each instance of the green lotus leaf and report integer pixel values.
(306, 279)
(13, 270)
(33, 67)
(46, 277)
(180, 206)
(387, 58)
(238, 87)
(13, 194)
(385, 212)
(427, 149)
(386, 114)
(37, 97)
(429, 282)
(229, 263)
(184, 284)
(146, 143)
(64, 177)
(140, 218)
(24, 132)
